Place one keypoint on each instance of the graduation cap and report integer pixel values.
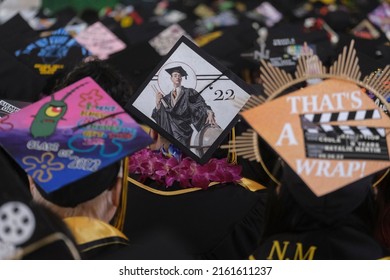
(177, 69)
(12, 72)
(210, 87)
(330, 133)
(70, 143)
(333, 140)
(99, 40)
(49, 54)
(27, 230)
(163, 42)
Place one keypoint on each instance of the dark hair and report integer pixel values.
(109, 78)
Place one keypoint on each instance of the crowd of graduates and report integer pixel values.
(259, 210)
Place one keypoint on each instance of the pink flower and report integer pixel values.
(188, 173)
(91, 98)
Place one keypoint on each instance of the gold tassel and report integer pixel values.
(381, 178)
(232, 155)
(119, 221)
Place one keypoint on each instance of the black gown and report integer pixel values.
(223, 222)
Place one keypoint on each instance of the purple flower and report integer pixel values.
(188, 173)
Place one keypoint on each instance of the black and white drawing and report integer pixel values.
(190, 99)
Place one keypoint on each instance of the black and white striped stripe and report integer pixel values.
(347, 129)
(343, 116)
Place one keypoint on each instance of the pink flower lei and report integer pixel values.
(187, 172)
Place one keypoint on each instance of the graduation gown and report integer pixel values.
(95, 239)
(347, 240)
(223, 222)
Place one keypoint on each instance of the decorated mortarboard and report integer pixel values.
(324, 124)
(100, 41)
(380, 17)
(52, 52)
(69, 135)
(283, 44)
(126, 16)
(27, 230)
(265, 13)
(209, 89)
(164, 41)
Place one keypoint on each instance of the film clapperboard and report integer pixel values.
(326, 137)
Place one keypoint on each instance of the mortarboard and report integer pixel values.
(209, 86)
(331, 133)
(143, 59)
(74, 133)
(15, 26)
(49, 54)
(12, 72)
(177, 69)
(163, 42)
(99, 40)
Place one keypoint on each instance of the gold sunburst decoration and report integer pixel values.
(309, 67)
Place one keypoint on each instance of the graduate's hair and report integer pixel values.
(108, 77)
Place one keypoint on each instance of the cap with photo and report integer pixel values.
(199, 117)
(68, 137)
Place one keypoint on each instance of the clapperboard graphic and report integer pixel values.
(327, 138)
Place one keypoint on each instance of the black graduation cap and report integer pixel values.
(331, 207)
(177, 69)
(85, 188)
(27, 230)
(143, 59)
(15, 26)
(12, 72)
